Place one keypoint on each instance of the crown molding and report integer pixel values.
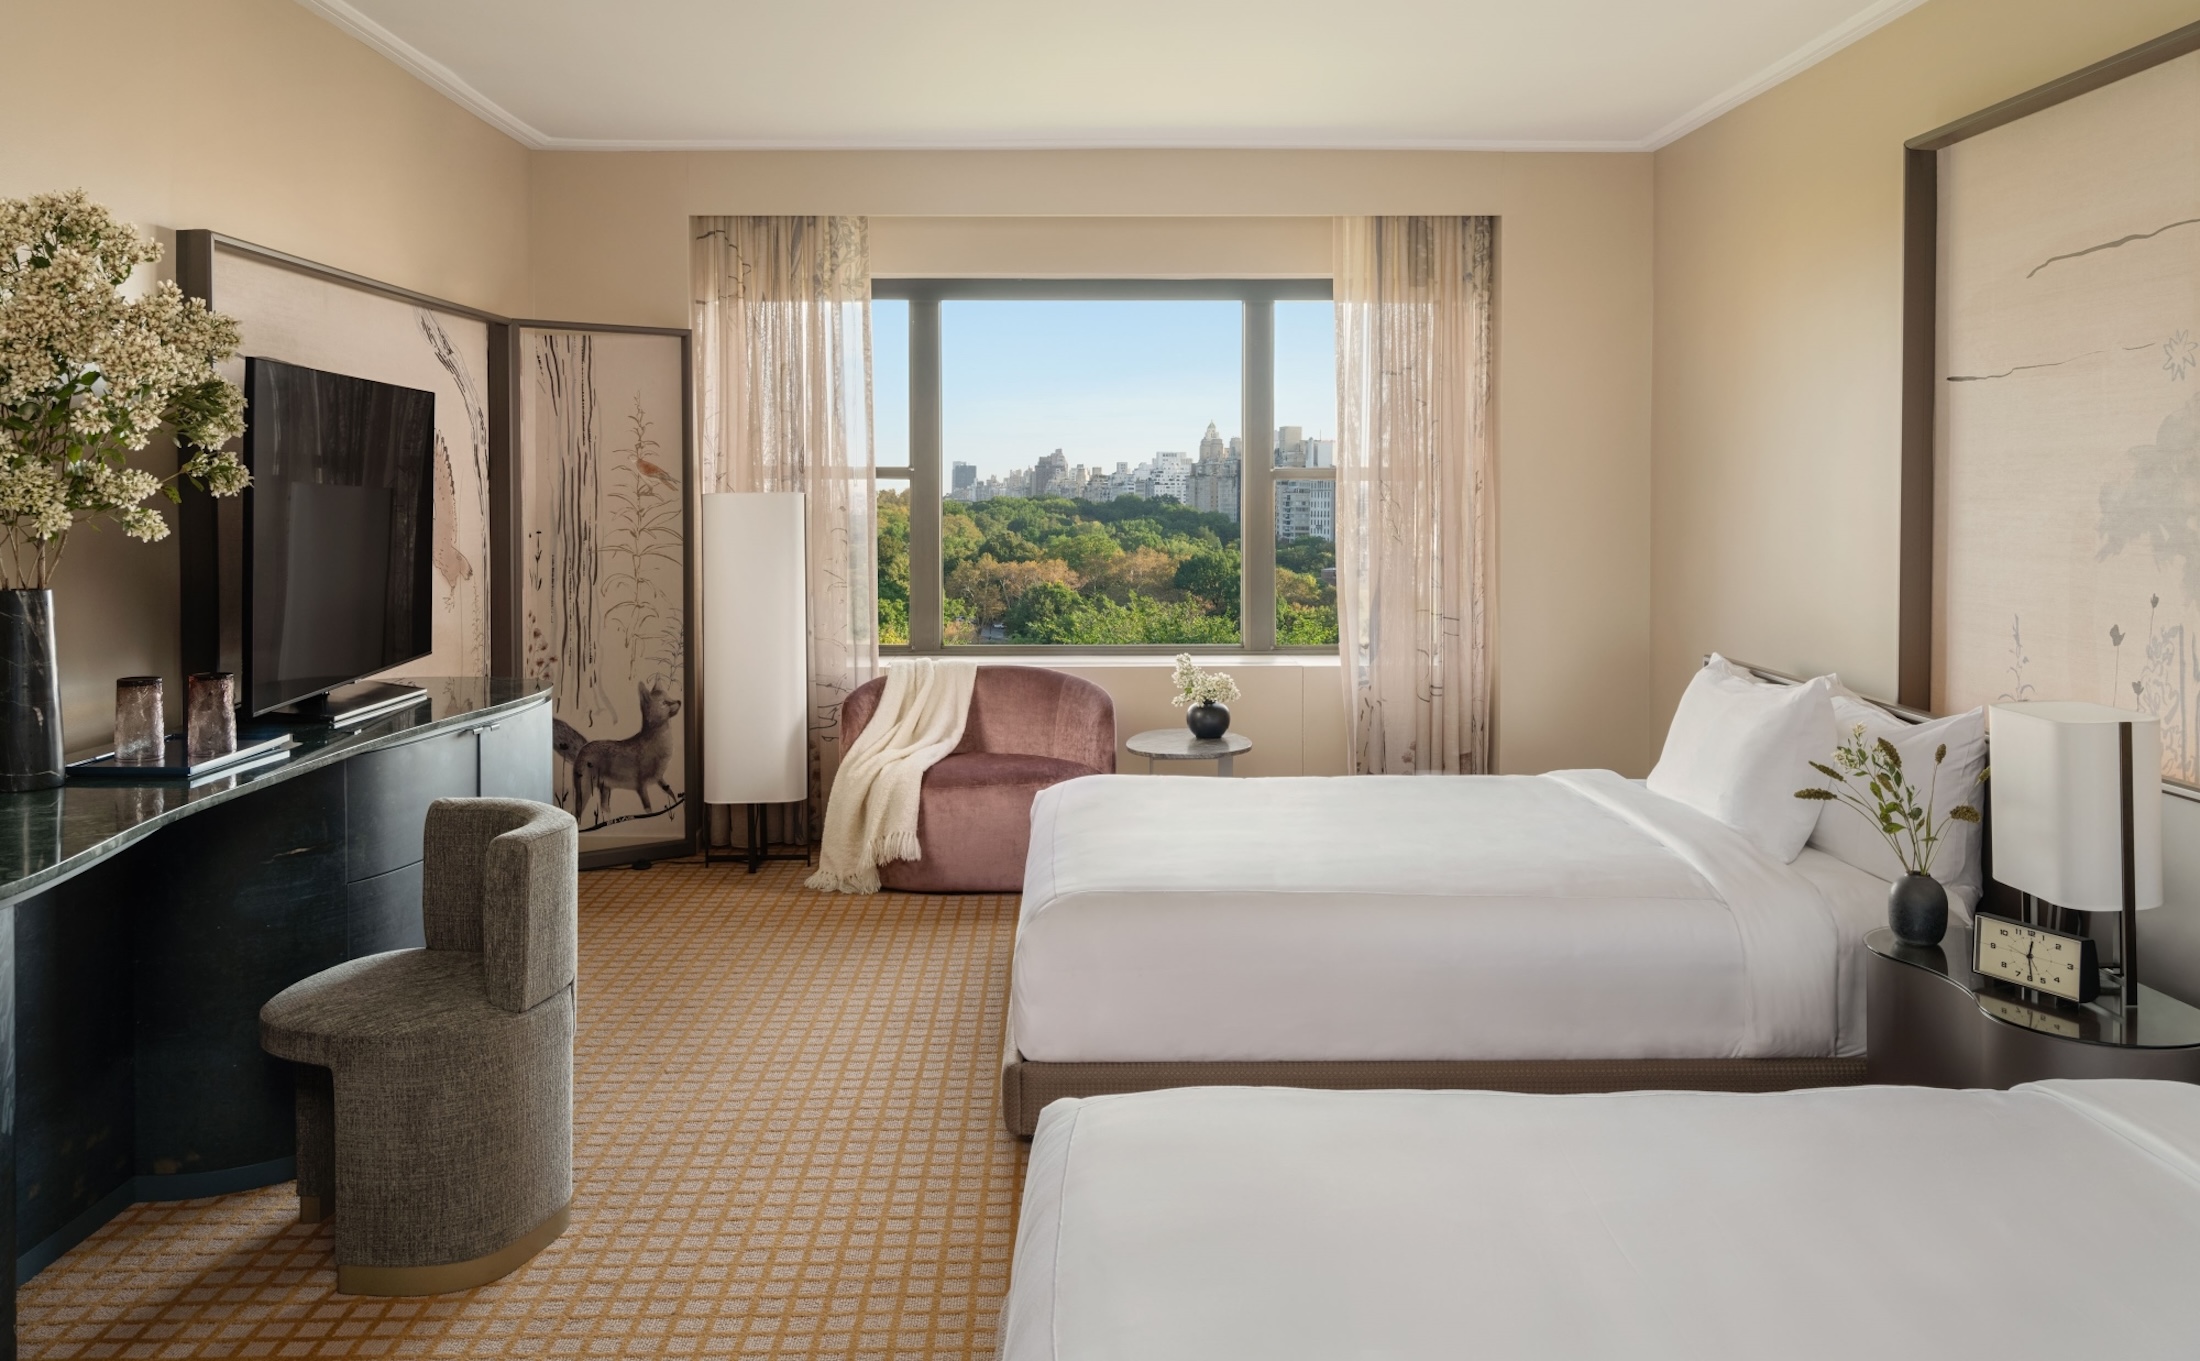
(455, 88)
(441, 78)
(1793, 64)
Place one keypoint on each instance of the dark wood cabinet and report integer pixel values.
(387, 793)
(147, 925)
(516, 756)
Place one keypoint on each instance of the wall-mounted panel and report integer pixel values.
(2068, 407)
(323, 320)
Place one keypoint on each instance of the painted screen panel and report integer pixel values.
(324, 324)
(603, 547)
(2068, 497)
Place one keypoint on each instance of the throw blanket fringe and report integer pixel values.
(872, 816)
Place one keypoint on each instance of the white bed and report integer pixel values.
(1567, 916)
(2059, 1219)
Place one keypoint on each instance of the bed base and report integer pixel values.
(1027, 1087)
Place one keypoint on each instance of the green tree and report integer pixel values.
(1212, 575)
(893, 567)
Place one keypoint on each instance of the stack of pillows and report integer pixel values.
(1740, 747)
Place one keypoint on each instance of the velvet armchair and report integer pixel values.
(1029, 728)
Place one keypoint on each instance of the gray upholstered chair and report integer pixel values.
(435, 1092)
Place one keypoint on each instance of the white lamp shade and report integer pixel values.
(755, 649)
(2057, 796)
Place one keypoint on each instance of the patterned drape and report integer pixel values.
(1413, 490)
(782, 320)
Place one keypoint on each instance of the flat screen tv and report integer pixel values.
(339, 534)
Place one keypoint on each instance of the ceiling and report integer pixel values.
(1557, 75)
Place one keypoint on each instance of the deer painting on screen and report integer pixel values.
(638, 763)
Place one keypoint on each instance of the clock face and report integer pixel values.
(2030, 957)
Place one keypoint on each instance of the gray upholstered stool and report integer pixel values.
(435, 1104)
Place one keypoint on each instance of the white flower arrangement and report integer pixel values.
(88, 375)
(1194, 686)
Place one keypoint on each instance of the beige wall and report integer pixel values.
(257, 119)
(1779, 347)
(1779, 337)
(1573, 372)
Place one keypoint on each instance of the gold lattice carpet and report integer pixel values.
(787, 1143)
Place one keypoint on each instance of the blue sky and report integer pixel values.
(1105, 382)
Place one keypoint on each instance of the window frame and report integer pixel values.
(924, 475)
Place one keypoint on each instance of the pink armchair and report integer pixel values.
(1029, 728)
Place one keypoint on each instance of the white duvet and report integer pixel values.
(1216, 1224)
(1565, 916)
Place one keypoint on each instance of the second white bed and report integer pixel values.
(1566, 916)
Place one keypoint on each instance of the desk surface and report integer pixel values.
(48, 835)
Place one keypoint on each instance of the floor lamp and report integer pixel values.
(756, 736)
(2077, 812)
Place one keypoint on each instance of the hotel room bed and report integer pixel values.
(2057, 1219)
(1571, 931)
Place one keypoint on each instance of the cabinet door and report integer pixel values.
(383, 913)
(515, 755)
(387, 794)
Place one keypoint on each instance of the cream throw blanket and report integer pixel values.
(872, 815)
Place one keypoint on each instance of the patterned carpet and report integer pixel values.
(787, 1144)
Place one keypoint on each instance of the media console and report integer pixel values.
(143, 925)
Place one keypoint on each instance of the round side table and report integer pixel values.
(1178, 744)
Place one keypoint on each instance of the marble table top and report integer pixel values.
(1178, 744)
(47, 835)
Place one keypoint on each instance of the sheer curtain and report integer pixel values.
(1413, 490)
(782, 318)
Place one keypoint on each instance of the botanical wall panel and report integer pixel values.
(325, 324)
(2068, 541)
(602, 453)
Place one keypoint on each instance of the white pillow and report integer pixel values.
(1845, 833)
(1739, 749)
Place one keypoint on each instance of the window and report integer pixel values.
(1062, 464)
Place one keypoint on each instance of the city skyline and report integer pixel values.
(1209, 480)
(1104, 382)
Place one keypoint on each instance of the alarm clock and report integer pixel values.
(2054, 962)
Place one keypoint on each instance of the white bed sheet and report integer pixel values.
(1210, 1224)
(1565, 916)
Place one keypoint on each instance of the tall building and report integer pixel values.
(1167, 476)
(965, 477)
(1213, 482)
(1305, 508)
(1051, 475)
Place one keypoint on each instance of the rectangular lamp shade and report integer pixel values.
(2058, 802)
(756, 672)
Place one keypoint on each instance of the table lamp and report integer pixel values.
(2077, 811)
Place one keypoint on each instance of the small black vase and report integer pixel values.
(30, 693)
(1207, 720)
(1917, 909)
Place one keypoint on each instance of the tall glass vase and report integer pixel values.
(30, 693)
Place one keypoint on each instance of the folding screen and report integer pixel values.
(603, 468)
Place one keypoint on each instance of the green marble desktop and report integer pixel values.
(48, 835)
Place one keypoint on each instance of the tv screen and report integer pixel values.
(338, 529)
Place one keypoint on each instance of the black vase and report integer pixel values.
(30, 698)
(1917, 909)
(1208, 720)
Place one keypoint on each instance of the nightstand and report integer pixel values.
(1933, 1022)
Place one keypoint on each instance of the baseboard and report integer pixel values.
(178, 1186)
